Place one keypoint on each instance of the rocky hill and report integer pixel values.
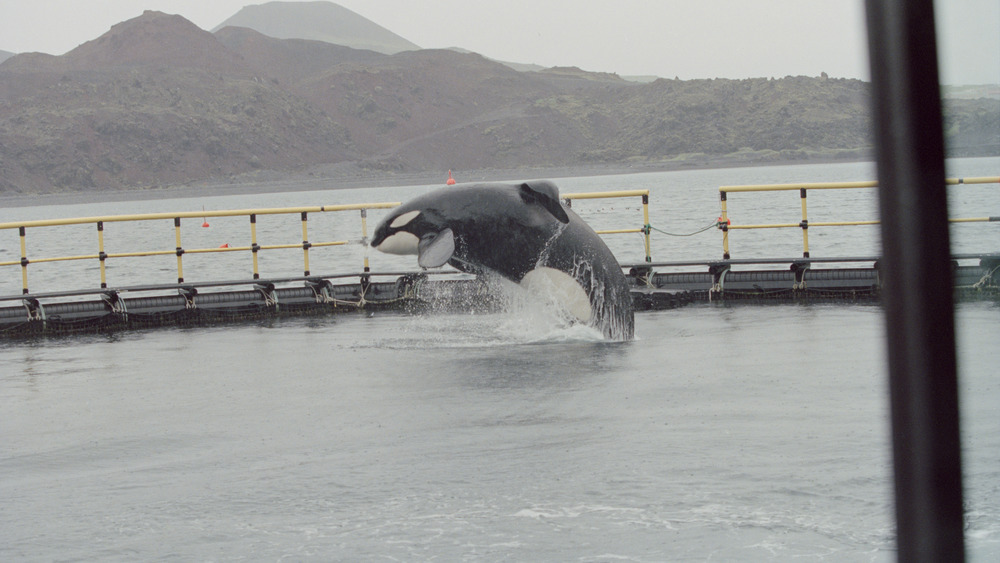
(154, 101)
(158, 101)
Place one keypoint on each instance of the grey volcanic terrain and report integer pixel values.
(158, 101)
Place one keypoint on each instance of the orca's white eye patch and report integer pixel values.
(404, 219)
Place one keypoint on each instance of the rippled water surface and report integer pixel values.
(721, 433)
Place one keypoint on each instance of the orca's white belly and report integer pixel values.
(562, 287)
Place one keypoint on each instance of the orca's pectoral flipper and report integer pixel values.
(435, 249)
(546, 194)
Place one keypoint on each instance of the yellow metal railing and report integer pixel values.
(179, 250)
(254, 247)
(725, 224)
(644, 194)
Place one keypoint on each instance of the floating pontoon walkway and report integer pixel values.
(655, 285)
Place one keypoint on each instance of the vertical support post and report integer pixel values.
(179, 250)
(917, 295)
(305, 243)
(646, 227)
(804, 224)
(254, 247)
(24, 261)
(100, 253)
(724, 225)
(364, 235)
(365, 278)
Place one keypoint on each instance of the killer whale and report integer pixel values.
(523, 233)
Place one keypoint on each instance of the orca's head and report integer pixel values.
(423, 226)
(412, 229)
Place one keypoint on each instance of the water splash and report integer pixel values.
(544, 255)
(542, 317)
(494, 311)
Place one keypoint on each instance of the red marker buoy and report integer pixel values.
(205, 219)
(226, 245)
(451, 181)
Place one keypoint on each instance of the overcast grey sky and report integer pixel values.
(683, 38)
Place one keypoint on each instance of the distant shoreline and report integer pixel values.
(349, 176)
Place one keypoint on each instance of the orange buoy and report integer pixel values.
(451, 181)
(205, 223)
(224, 245)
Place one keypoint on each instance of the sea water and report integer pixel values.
(723, 432)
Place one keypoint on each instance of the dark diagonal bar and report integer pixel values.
(918, 286)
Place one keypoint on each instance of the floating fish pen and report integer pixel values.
(655, 285)
(801, 280)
